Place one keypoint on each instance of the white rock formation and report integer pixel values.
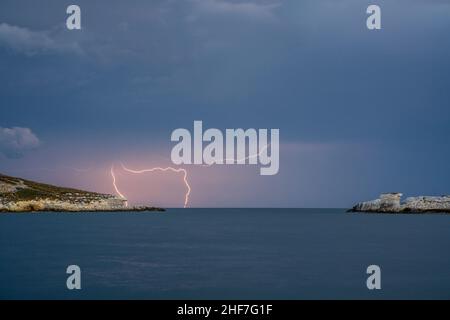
(111, 204)
(391, 202)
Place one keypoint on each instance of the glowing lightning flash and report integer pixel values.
(115, 186)
(188, 192)
(176, 170)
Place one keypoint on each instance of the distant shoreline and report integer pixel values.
(133, 209)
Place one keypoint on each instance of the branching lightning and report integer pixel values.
(176, 170)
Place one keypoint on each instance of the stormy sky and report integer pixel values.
(359, 112)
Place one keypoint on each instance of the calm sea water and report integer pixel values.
(225, 254)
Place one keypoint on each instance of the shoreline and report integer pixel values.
(124, 210)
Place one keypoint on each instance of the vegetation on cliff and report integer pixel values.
(20, 195)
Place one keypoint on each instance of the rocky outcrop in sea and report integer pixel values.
(391, 203)
(20, 195)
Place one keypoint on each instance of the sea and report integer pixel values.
(225, 254)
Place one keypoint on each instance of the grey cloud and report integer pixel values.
(16, 140)
(31, 42)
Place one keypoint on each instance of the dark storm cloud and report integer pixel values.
(30, 43)
(308, 67)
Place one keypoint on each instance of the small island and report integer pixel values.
(391, 203)
(20, 195)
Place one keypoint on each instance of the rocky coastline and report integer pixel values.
(392, 203)
(20, 195)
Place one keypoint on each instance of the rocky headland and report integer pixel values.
(20, 195)
(391, 203)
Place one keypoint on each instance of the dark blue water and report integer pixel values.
(225, 254)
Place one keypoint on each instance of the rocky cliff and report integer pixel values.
(391, 203)
(20, 195)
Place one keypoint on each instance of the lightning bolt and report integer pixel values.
(239, 160)
(115, 186)
(176, 170)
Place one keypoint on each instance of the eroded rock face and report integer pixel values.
(391, 202)
(113, 204)
(427, 204)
